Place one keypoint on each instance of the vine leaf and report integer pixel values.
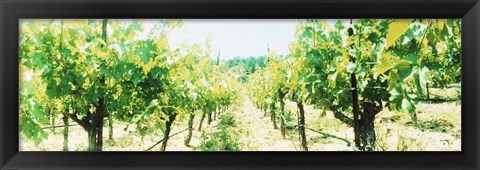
(395, 30)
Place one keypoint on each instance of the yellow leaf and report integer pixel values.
(163, 43)
(385, 63)
(333, 79)
(190, 59)
(425, 42)
(304, 88)
(440, 23)
(89, 71)
(395, 30)
(344, 58)
(101, 41)
(456, 30)
(271, 70)
(101, 53)
(86, 82)
(147, 67)
(365, 53)
(196, 49)
(382, 68)
(24, 29)
(204, 61)
(187, 75)
(131, 35)
(78, 42)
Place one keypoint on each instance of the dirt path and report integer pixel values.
(257, 132)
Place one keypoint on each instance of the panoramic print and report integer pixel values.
(240, 85)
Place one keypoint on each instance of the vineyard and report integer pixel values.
(348, 85)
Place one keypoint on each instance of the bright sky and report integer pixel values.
(237, 37)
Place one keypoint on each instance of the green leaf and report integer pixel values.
(144, 57)
(418, 84)
(339, 25)
(136, 25)
(136, 79)
(38, 112)
(51, 90)
(396, 93)
(105, 71)
(145, 50)
(407, 105)
(32, 130)
(405, 70)
(308, 32)
(161, 125)
(412, 59)
(38, 59)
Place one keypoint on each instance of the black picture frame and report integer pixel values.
(13, 10)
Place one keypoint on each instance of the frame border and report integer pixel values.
(13, 10)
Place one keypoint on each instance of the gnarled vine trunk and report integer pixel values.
(201, 121)
(272, 115)
(264, 110)
(190, 129)
(366, 124)
(367, 127)
(90, 124)
(168, 126)
(110, 127)
(65, 133)
(215, 114)
(355, 106)
(281, 96)
(99, 117)
(301, 126)
(92, 139)
(209, 118)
